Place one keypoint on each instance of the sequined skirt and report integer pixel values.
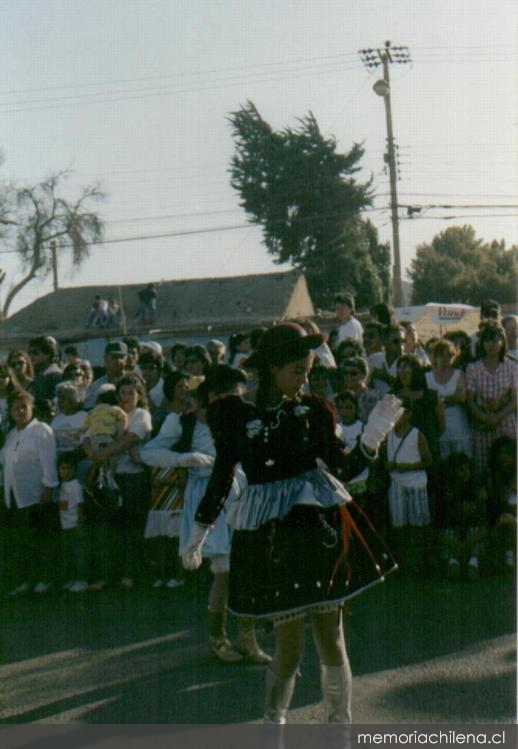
(312, 559)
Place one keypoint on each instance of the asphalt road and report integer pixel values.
(421, 652)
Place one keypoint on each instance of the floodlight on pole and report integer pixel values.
(373, 58)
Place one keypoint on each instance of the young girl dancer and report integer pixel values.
(186, 442)
(291, 522)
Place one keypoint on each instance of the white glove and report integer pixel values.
(381, 420)
(191, 556)
(195, 460)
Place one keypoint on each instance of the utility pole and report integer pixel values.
(54, 251)
(372, 58)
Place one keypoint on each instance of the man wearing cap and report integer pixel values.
(350, 327)
(114, 362)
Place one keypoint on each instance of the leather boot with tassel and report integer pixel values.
(246, 643)
(219, 643)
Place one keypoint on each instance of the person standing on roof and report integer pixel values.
(147, 309)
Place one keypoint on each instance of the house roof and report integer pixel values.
(181, 304)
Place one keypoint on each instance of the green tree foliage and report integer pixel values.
(459, 267)
(303, 194)
(39, 214)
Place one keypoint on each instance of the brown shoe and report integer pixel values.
(223, 650)
(247, 645)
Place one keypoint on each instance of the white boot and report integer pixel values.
(278, 697)
(336, 682)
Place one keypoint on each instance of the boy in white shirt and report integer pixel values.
(350, 327)
(71, 515)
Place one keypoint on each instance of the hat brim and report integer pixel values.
(282, 355)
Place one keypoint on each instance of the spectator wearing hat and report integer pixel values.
(349, 326)
(287, 559)
(115, 355)
(43, 351)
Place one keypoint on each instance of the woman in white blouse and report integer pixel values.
(29, 461)
(451, 388)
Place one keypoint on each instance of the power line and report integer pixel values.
(456, 218)
(476, 49)
(205, 72)
(233, 227)
(170, 92)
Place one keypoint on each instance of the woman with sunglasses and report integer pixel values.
(352, 376)
(291, 523)
(20, 364)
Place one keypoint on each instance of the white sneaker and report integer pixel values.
(41, 587)
(79, 586)
(20, 590)
(157, 584)
(173, 583)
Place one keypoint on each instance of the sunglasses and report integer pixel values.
(18, 363)
(350, 373)
(397, 340)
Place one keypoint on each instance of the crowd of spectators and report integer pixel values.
(78, 501)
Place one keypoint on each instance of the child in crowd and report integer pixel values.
(348, 431)
(105, 423)
(71, 515)
(320, 383)
(350, 426)
(408, 457)
(460, 516)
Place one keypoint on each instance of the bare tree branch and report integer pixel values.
(42, 213)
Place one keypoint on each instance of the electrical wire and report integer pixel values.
(5, 108)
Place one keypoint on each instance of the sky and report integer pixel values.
(135, 94)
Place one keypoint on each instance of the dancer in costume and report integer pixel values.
(300, 545)
(185, 441)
